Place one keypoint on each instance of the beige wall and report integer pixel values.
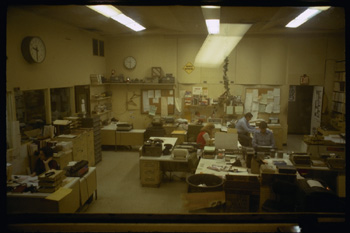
(256, 61)
(69, 60)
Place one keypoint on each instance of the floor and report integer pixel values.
(119, 189)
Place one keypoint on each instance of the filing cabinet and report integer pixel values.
(150, 173)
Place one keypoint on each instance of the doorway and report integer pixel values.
(300, 109)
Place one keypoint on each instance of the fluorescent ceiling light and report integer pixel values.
(217, 47)
(213, 26)
(212, 18)
(112, 12)
(305, 16)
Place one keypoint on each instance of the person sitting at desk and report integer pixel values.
(204, 136)
(244, 129)
(45, 161)
(263, 137)
(197, 118)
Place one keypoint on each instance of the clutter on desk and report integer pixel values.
(152, 148)
(336, 163)
(181, 154)
(50, 181)
(209, 152)
(286, 169)
(300, 159)
(124, 126)
(77, 168)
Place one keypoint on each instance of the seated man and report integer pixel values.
(263, 137)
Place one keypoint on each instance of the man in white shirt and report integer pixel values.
(244, 129)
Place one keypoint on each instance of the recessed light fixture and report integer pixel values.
(305, 16)
(212, 18)
(114, 13)
(217, 47)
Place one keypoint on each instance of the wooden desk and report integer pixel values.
(134, 137)
(150, 167)
(108, 135)
(111, 137)
(37, 202)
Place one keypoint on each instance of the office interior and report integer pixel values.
(84, 80)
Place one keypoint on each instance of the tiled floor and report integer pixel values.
(120, 191)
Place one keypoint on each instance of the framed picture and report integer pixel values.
(304, 80)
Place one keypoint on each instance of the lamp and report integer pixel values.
(112, 12)
(305, 16)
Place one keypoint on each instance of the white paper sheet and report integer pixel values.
(155, 100)
(157, 94)
(255, 107)
(239, 109)
(170, 100)
(197, 90)
(229, 110)
(269, 107)
(269, 94)
(248, 102)
(150, 94)
(276, 92)
(145, 101)
(152, 110)
(164, 106)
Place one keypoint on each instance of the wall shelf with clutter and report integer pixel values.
(100, 97)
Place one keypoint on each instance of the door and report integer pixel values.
(316, 109)
(300, 109)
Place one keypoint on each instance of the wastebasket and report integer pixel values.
(204, 183)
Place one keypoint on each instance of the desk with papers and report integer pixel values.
(72, 194)
(64, 200)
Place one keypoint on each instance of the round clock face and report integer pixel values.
(33, 49)
(130, 62)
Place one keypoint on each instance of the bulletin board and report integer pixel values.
(262, 101)
(158, 101)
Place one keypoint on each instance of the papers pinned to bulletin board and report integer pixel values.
(158, 101)
(262, 100)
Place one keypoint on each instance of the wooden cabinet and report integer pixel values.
(134, 137)
(82, 145)
(277, 134)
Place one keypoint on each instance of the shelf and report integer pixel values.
(101, 98)
(102, 113)
(142, 84)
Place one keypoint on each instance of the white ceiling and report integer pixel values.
(188, 20)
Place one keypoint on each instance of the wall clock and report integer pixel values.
(130, 62)
(33, 49)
